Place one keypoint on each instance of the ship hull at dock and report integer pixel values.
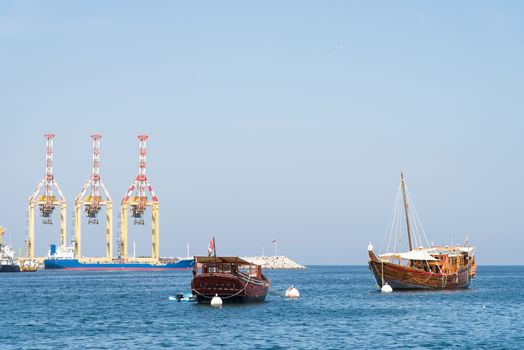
(74, 264)
(401, 277)
(9, 268)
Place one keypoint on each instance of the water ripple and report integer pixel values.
(339, 308)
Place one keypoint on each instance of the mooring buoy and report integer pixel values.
(216, 301)
(292, 293)
(386, 288)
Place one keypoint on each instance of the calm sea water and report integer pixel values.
(339, 308)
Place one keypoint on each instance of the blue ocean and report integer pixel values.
(339, 308)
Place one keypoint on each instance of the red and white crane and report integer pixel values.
(92, 202)
(137, 200)
(47, 201)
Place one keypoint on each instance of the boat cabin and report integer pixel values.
(226, 265)
(435, 259)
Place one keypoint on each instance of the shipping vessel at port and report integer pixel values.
(8, 262)
(63, 258)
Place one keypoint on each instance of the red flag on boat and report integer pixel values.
(211, 247)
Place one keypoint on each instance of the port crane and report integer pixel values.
(2, 232)
(47, 201)
(136, 201)
(92, 202)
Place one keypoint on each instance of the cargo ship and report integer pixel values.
(64, 258)
(8, 262)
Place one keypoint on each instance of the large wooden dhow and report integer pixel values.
(433, 268)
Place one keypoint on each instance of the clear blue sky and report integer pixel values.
(287, 120)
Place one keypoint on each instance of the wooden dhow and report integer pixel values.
(434, 268)
(231, 278)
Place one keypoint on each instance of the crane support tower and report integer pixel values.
(92, 202)
(47, 201)
(2, 232)
(136, 201)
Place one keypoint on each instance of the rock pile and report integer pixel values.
(275, 262)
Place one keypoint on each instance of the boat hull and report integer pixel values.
(9, 268)
(28, 268)
(74, 264)
(407, 278)
(230, 288)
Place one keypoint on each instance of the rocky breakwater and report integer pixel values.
(275, 262)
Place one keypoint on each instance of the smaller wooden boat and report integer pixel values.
(231, 278)
(435, 267)
(187, 297)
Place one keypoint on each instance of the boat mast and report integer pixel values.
(215, 252)
(406, 208)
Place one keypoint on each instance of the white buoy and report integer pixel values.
(386, 288)
(216, 301)
(292, 293)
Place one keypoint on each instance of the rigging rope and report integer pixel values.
(229, 296)
(396, 227)
(419, 282)
(419, 223)
(393, 222)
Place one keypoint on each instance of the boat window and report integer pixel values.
(253, 271)
(226, 268)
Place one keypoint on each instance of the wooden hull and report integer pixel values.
(404, 277)
(231, 288)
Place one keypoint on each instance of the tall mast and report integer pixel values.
(406, 209)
